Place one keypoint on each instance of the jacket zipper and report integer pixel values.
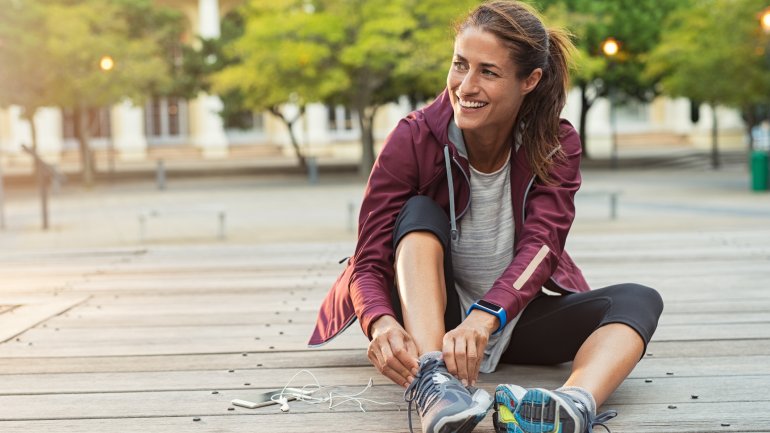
(468, 181)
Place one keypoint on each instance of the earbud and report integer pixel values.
(284, 404)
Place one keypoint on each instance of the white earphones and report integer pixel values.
(284, 404)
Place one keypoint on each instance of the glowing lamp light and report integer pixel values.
(610, 47)
(106, 63)
(764, 20)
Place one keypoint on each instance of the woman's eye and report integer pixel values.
(459, 66)
(488, 72)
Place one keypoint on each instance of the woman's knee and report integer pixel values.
(637, 306)
(421, 214)
(646, 296)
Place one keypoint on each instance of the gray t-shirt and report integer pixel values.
(484, 247)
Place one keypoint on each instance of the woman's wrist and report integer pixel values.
(483, 319)
(382, 323)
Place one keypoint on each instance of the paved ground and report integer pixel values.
(285, 208)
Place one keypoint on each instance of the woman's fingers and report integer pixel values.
(395, 356)
(463, 353)
(481, 345)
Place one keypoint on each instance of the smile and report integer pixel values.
(470, 104)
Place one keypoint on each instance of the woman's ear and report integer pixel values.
(531, 81)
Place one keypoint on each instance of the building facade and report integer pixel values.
(134, 132)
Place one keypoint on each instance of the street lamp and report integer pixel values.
(610, 47)
(106, 63)
(764, 20)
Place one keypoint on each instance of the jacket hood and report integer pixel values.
(437, 116)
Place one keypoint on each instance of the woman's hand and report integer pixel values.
(392, 351)
(464, 346)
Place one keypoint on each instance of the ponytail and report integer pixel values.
(540, 112)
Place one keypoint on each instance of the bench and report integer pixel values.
(147, 214)
(612, 195)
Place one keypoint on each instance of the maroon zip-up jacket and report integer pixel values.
(413, 162)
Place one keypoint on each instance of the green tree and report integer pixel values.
(271, 65)
(362, 54)
(635, 24)
(716, 53)
(57, 47)
(23, 82)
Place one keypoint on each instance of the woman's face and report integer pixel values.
(482, 82)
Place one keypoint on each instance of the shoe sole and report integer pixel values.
(542, 411)
(504, 419)
(466, 421)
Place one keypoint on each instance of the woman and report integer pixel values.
(464, 222)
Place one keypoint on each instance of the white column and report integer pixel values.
(207, 129)
(317, 124)
(599, 129)
(128, 131)
(48, 126)
(208, 18)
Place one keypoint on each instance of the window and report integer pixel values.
(245, 127)
(166, 120)
(245, 120)
(97, 122)
(343, 123)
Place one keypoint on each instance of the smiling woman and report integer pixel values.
(464, 222)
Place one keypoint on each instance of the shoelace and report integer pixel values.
(421, 390)
(598, 420)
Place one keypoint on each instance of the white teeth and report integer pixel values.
(471, 104)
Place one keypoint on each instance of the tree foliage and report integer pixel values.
(359, 53)
(635, 24)
(715, 52)
(51, 52)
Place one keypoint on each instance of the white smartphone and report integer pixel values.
(266, 398)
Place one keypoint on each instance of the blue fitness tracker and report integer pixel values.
(492, 309)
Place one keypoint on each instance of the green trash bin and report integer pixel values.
(759, 170)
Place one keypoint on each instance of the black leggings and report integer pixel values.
(551, 328)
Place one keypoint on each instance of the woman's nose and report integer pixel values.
(468, 85)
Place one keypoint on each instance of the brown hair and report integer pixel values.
(532, 46)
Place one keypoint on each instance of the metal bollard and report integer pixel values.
(312, 170)
(351, 216)
(160, 175)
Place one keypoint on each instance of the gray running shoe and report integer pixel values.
(444, 404)
(543, 411)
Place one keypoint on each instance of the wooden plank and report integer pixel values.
(181, 344)
(687, 418)
(296, 334)
(185, 362)
(695, 377)
(91, 317)
(649, 402)
(669, 349)
(32, 311)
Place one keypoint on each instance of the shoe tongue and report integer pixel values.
(439, 378)
(430, 355)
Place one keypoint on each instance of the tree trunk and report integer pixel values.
(366, 123)
(585, 105)
(276, 111)
(84, 136)
(29, 114)
(714, 141)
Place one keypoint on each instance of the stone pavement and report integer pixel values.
(286, 208)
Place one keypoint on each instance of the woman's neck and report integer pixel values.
(487, 154)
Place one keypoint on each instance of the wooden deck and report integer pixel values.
(161, 339)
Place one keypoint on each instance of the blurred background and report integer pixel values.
(115, 112)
